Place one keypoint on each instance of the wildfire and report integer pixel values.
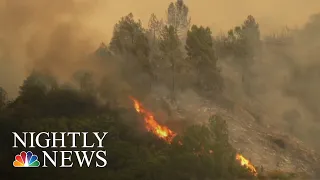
(152, 125)
(166, 134)
(244, 162)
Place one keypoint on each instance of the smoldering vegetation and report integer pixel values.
(50, 59)
(283, 80)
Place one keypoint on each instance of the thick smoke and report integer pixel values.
(285, 81)
(44, 35)
(56, 37)
(30, 28)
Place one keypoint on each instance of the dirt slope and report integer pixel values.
(263, 144)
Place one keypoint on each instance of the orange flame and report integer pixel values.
(166, 134)
(246, 163)
(152, 125)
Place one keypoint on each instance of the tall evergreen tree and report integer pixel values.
(154, 26)
(244, 44)
(199, 47)
(170, 47)
(3, 98)
(130, 41)
(129, 37)
(177, 16)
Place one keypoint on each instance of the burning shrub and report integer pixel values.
(208, 149)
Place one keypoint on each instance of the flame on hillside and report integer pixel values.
(246, 163)
(151, 124)
(166, 134)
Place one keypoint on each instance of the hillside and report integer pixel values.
(266, 146)
(179, 100)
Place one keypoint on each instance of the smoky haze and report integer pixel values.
(284, 83)
(51, 36)
(33, 33)
(42, 35)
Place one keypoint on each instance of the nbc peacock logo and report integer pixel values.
(26, 160)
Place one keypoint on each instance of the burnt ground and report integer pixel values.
(264, 145)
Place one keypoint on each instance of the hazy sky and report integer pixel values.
(58, 31)
(218, 14)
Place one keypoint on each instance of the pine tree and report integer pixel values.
(170, 47)
(177, 16)
(129, 37)
(244, 44)
(3, 98)
(131, 43)
(155, 26)
(201, 55)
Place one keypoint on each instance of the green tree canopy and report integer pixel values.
(245, 40)
(201, 55)
(3, 98)
(130, 42)
(170, 47)
(199, 47)
(243, 43)
(129, 37)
